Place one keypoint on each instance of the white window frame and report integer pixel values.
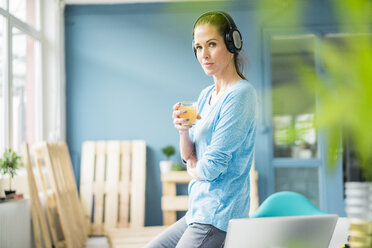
(10, 22)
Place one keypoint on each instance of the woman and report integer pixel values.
(218, 149)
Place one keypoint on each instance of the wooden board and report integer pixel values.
(50, 200)
(66, 203)
(133, 237)
(124, 188)
(39, 222)
(113, 183)
(114, 172)
(61, 150)
(170, 202)
(86, 181)
(138, 184)
(176, 177)
(64, 199)
(175, 203)
(98, 189)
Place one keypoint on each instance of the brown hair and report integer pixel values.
(221, 23)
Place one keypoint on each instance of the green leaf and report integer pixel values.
(168, 151)
(10, 162)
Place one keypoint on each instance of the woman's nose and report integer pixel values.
(205, 53)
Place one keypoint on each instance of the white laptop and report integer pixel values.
(311, 231)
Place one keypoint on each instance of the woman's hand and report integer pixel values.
(177, 121)
(187, 147)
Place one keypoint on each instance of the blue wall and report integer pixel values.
(126, 66)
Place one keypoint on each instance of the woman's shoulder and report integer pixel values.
(244, 85)
(243, 88)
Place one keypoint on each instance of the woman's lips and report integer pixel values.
(207, 65)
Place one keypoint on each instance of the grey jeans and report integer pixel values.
(196, 235)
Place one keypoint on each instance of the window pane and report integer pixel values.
(3, 4)
(294, 133)
(26, 10)
(23, 98)
(2, 63)
(300, 180)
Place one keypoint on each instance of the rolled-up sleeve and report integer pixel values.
(191, 136)
(236, 116)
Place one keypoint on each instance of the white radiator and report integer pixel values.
(15, 224)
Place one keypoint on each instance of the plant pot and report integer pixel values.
(165, 166)
(359, 212)
(9, 193)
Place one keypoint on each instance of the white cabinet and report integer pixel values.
(15, 224)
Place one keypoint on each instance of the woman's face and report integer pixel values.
(211, 50)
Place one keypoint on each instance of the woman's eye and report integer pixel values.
(212, 44)
(198, 47)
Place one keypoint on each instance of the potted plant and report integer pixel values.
(166, 165)
(9, 164)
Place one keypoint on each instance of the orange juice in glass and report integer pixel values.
(191, 113)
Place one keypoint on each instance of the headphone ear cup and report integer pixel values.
(229, 41)
(237, 40)
(233, 40)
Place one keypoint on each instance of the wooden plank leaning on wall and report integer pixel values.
(60, 194)
(39, 222)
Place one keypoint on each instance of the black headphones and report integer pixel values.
(233, 38)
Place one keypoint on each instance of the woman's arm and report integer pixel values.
(235, 124)
(188, 154)
(187, 146)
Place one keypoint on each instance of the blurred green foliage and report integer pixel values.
(178, 167)
(298, 244)
(344, 85)
(168, 151)
(345, 89)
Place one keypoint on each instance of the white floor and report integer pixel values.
(96, 242)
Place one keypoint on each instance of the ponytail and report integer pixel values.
(239, 65)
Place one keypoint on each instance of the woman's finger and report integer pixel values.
(180, 120)
(177, 113)
(176, 106)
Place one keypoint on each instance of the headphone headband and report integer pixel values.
(224, 14)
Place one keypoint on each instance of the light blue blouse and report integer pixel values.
(224, 143)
